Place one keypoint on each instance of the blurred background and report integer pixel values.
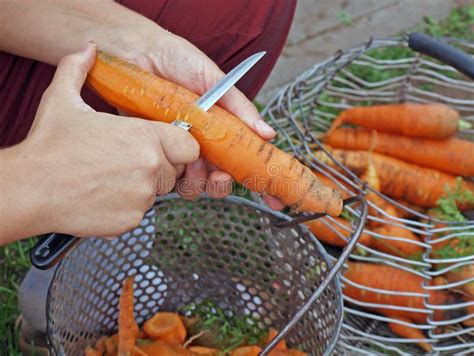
(321, 27)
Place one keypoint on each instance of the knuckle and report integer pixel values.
(132, 221)
(166, 184)
(189, 145)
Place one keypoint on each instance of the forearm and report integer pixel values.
(23, 210)
(47, 30)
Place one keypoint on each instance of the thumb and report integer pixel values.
(72, 71)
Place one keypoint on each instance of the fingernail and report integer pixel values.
(89, 44)
(263, 127)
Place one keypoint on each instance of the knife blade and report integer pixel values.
(52, 247)
(212, 96)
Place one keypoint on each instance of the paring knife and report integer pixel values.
(53, 247)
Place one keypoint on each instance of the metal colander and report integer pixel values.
(227, 251)
(304, 109)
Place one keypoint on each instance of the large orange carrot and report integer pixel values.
(390, 278)
(454, 155)
(327, 232)
(128, 327)
(435, 121)
(410, 332)
(400, 180)
(225, 140)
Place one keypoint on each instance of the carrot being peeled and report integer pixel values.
(128, 327)
(400, 180)
(436, 121)
(453, 155)
(225, 140)
(331, 183)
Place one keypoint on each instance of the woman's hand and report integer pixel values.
(86, 173)
(52, 29)
(175, 59)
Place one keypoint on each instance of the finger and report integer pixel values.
(236, 103)
(180, 169)
(273, 203)
(72, 70)
(194, 180)
(179, 146)
(165, 179)
(219, 184)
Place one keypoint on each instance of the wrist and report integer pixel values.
(24, 204)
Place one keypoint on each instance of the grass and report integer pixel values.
(14, 260)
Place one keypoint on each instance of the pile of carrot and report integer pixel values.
(408, 152)
(391, 279)
(406, 244)
(165, 334)
(418, 155)
(224, 139)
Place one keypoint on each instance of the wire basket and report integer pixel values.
(230, 251)
(304, 109)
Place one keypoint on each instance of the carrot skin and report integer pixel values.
(435, 120)
(224, 139)
(453, 155)
(400, 180)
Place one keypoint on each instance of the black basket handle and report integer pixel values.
(50, 249)
(443, 52)
(332, 272)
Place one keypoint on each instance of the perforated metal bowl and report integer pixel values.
(227, 251)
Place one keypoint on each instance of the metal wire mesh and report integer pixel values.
(227, 251)
(304, 109)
